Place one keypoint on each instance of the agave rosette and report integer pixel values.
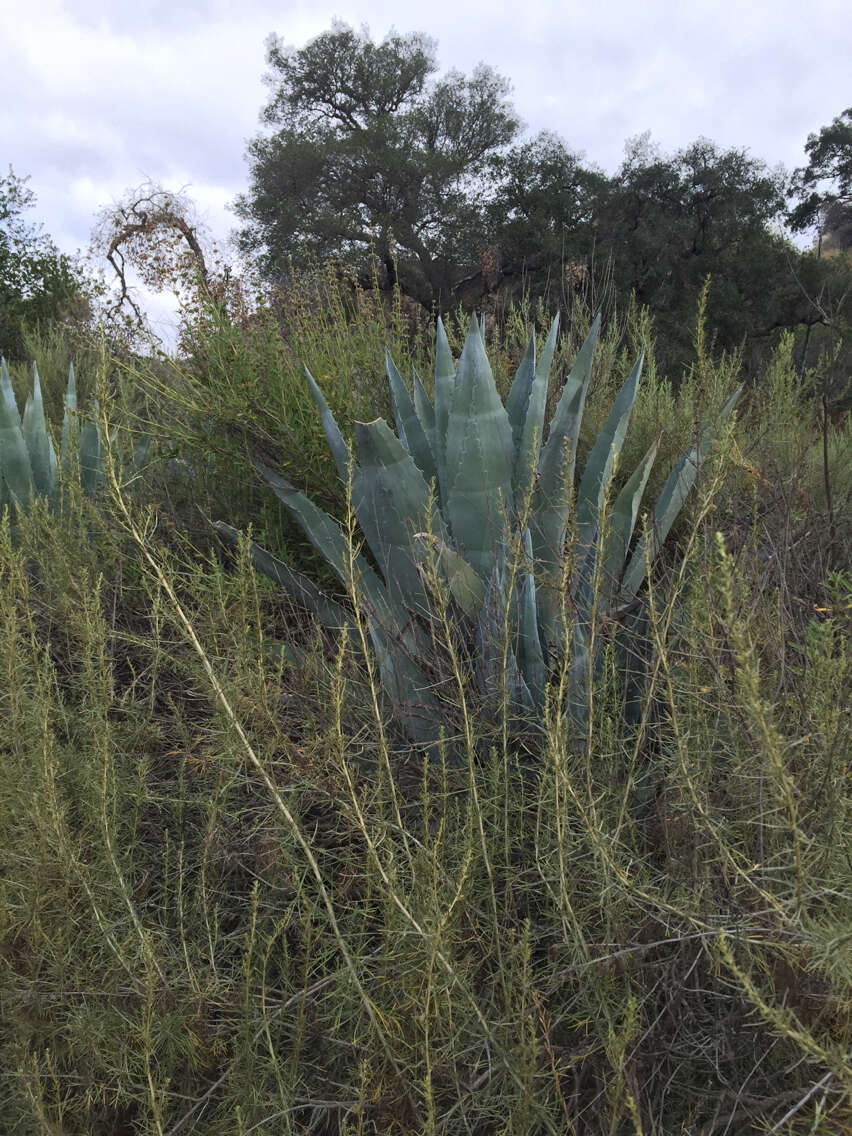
(469, 485)
(28, 461)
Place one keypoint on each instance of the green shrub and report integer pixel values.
(239, 391)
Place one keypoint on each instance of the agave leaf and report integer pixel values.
(291, 653)
(479, 458)
(390, 631)
(338, 447)
(579, 676)
(326, 537)
(140, 451)
(39, 445)
(633, 646)
(466, 586)
(69, 420)
(567, 418)
(593, 489)
(90, 456)
(402, 680)
(406, 685)
(529, 651)
(548, 351)
(612, 549)
(8, 393)
(425, 410)
(669, 504)
(496, 663)
(297, 586)
(525, 406)
(552, 499)
(410, 429)
(391, 501)
(622, 521)
(518, 398)
(529, 447)
(605, 452)
(71, 388)
(445, 381)
(15, 465)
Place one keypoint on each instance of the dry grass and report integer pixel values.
(234, 901)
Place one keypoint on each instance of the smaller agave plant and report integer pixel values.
(28, 462)
(469, 489)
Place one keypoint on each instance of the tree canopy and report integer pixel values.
(822, 191)
(670, 221)
(823, 188)
(660, 225)
(37, 282)
(371, 152)
(544, 205)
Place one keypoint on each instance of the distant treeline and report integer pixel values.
(369, 155)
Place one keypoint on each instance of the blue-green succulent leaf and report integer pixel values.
(599, 467)
(394, 641)
(328, 539)
(552, 498)
(391, 501)
(612, 550)
(479, 459)
(69, 421)
(622, 522)
(8, 393)
(90, 456)
(529, 446)
(594, 488)
(445, 382)
(408, 424)
(140, 451)
(669, 504)
(561, 444)
(300, 589)
(579, 676)
(529, 651)
(633, 647)
(518, 398)
(71, 388)
(496, 664)
(406, 685)
(15, 467)
(39, 445)
(338, 447)
(425, 409)
(466, 587)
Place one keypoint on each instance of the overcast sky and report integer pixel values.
(98, 96)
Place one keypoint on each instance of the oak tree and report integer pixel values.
(370, 151)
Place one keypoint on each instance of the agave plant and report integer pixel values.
(469, 488)
(28, 460)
